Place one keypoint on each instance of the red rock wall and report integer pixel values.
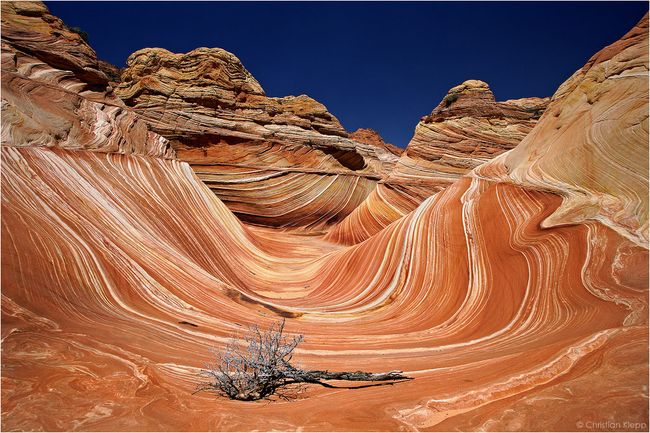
(54, 95)
(277, 162)
(467, 129)
(507, 316)
(591, 144)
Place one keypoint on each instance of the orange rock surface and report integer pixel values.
(372, 137)
(279, 162)
(54, 95)
(466, 129)
(509, 312)
(591, 147)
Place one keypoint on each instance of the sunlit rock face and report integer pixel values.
(588, 147)
(54, 94)
(372, 137)
(466, 129)
(121, 268)
(279, 162)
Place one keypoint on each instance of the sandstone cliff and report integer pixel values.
(372, 137)
(54, 93)
(589, 143)
(121, 269)
(468, 128)
(281, 162)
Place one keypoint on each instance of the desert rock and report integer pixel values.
(466, 129)
(54, 94)
(121, 269)
(280, 162)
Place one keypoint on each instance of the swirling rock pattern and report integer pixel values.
(280, 162)
(588, 147)
(466, 129)
(54, 95)
(93, 297)
(31, 29)
(120, 270)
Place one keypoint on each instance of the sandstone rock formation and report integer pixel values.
(372, 137)
(589, 148)
(120, 269)
(54, 93)
(466, 129)
(281, 162)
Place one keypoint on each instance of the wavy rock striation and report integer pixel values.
(466, 129)
(280, 162)
(589, 147)
(120, 269)
(54, 94)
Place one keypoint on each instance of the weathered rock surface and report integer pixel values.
(54, 94)
(31, 29)
(590, 144)
(372, 137)
(466, 129)
(281, 162)
(120, 269)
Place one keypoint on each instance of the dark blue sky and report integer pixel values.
(378, 65)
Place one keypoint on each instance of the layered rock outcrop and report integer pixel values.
(121, 269)
(589, 147)
(55, 95)
(372, 137)
(468, 128)
(281, 162)
(29, 28)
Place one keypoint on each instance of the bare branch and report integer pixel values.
(264, 369)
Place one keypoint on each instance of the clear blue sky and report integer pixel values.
(378, 65)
